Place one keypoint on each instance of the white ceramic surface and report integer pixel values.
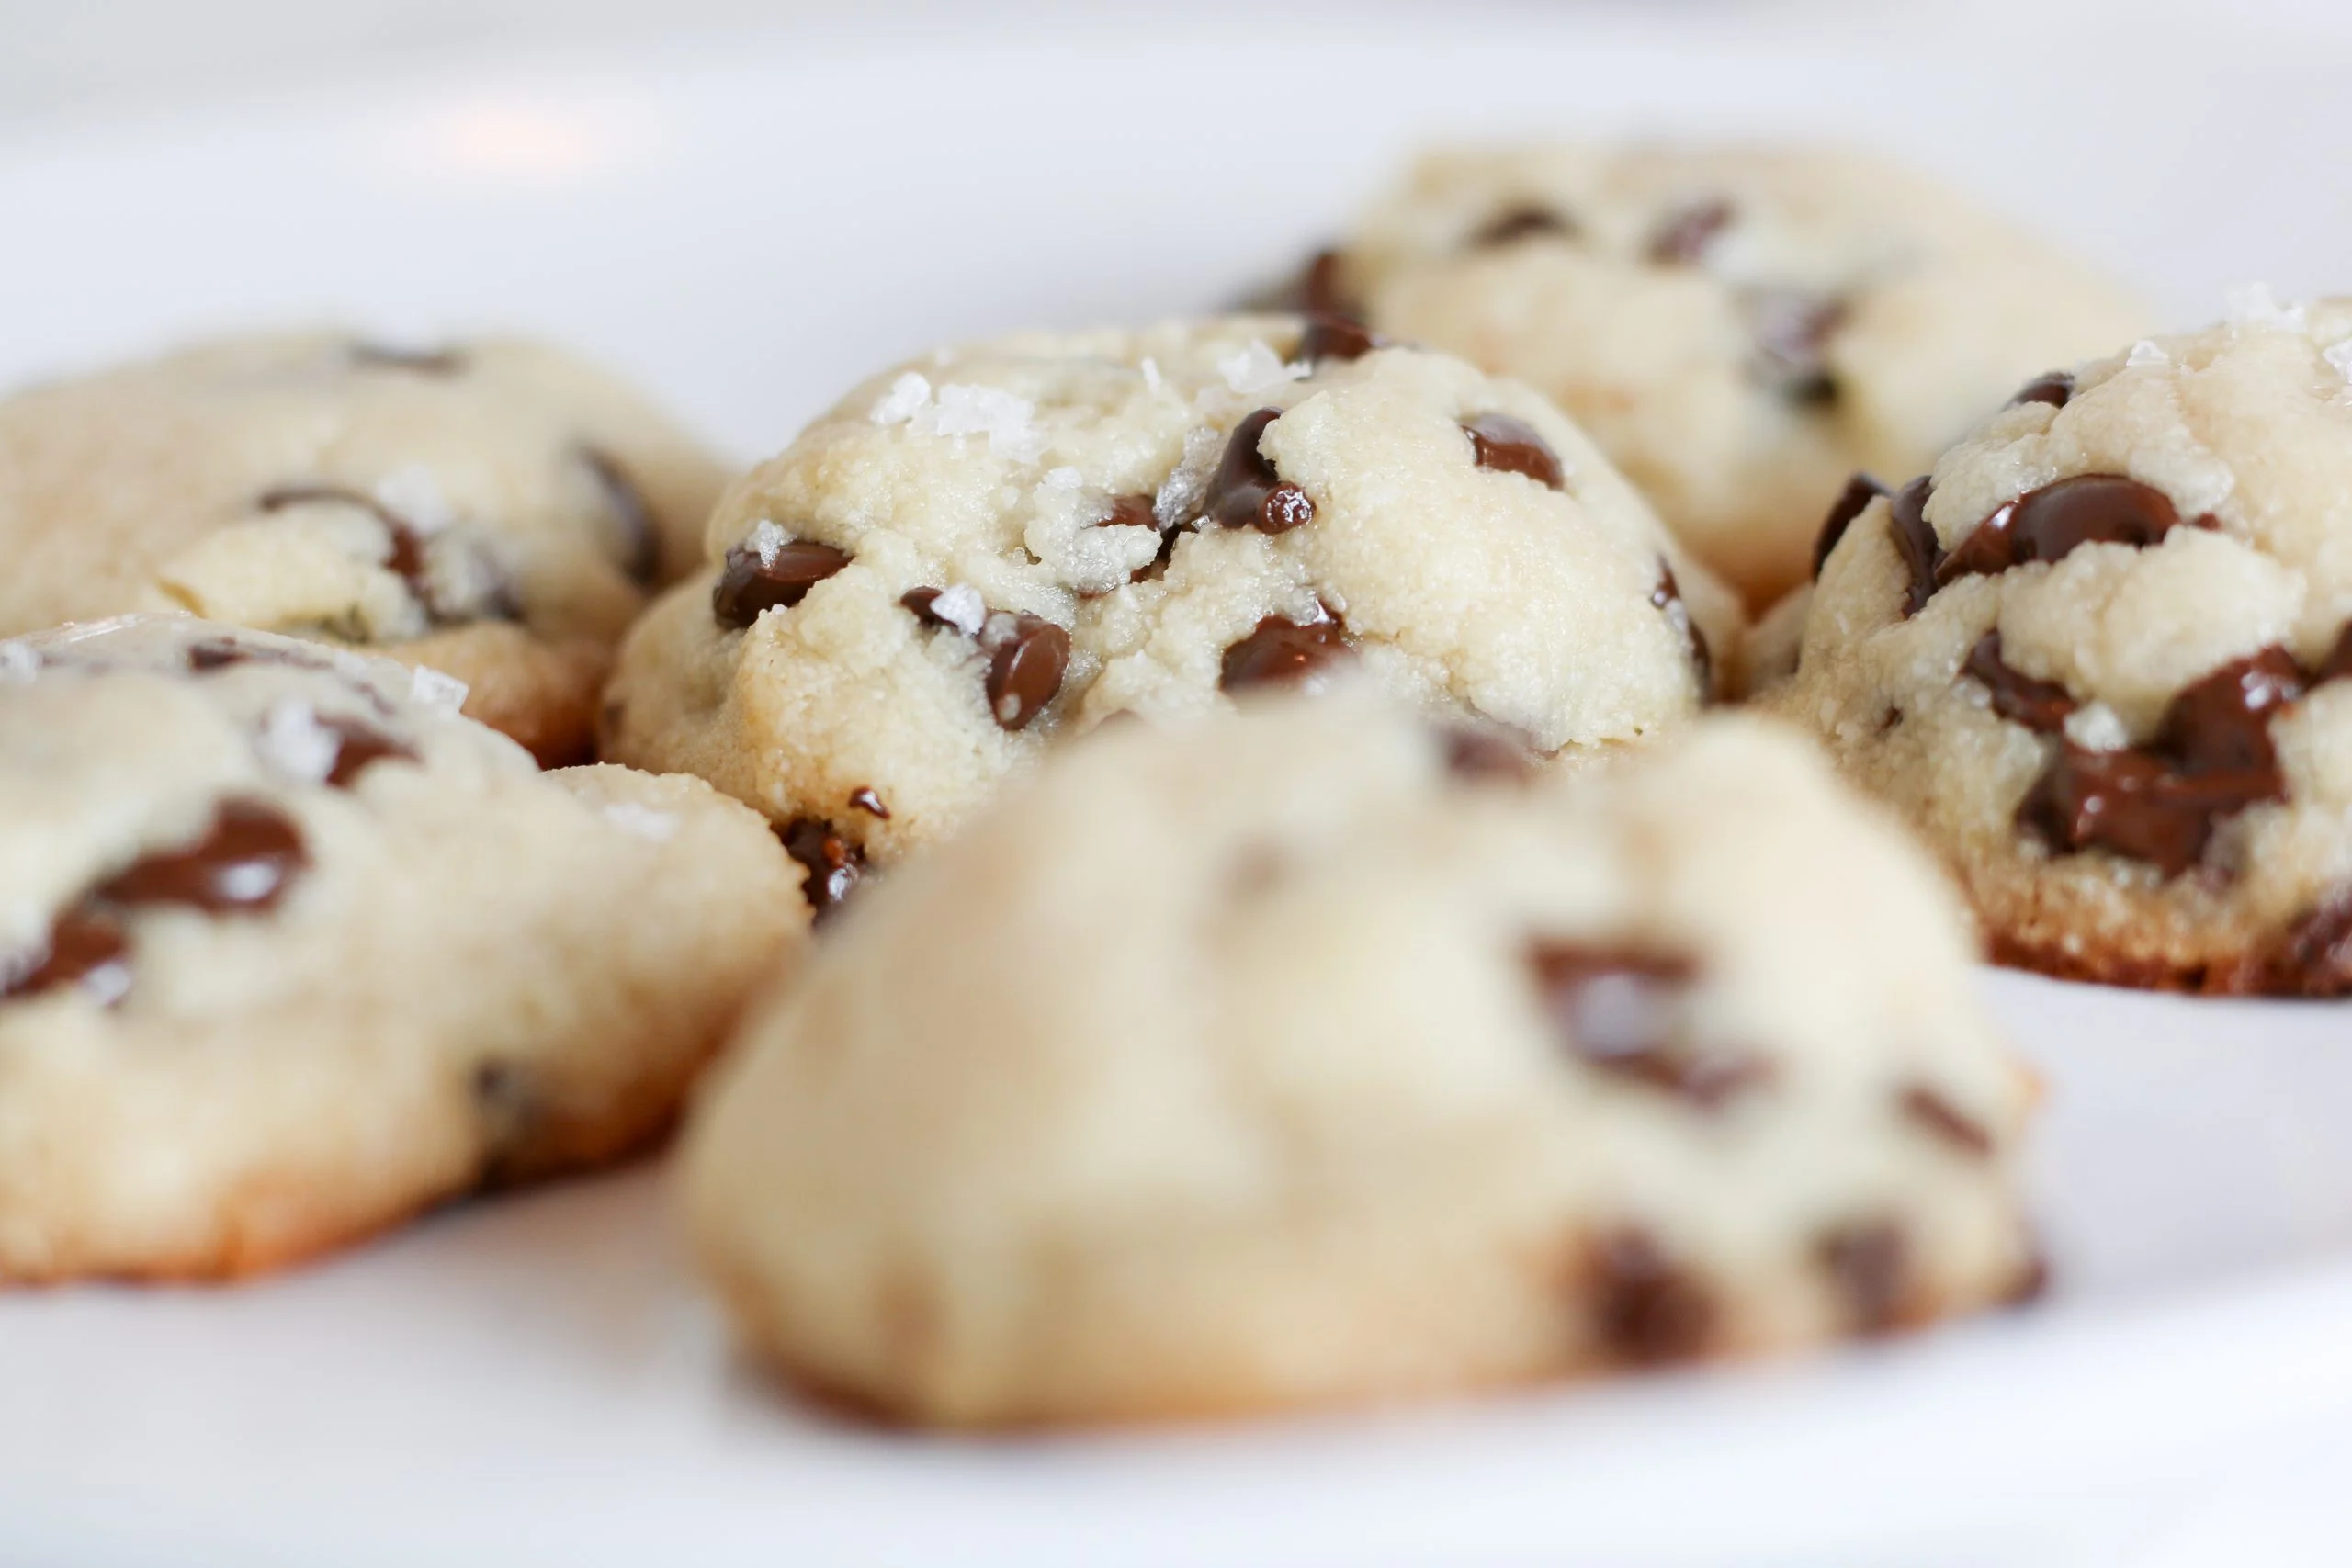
(751, 230)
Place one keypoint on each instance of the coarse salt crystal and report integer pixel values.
(2340, 357)
(766, 539)
(293, 741)
(2251, 306)
(2146, 353)
(2095, 726)
(1005, 418)
(19, 665)
(412, 494)
(642, 820)
(1182, 491)
(961, 606)
(1151, 377)
(907, 395)
(434, 690)
(1256, 368)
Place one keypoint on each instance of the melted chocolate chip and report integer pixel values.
(1938, 1115)
(1851, 502)
(1646, 1311)
(510, 1101)
(640, 554)
(1525, 222)
(2051, 522)
(1337, 337)
(2313, 957)
(1246, 491)
(1627, 1012)
(204, 657)
(1131, 511)
(417, 361)
(1281, 650)
(2040, 705)
(1792, 330)
(1480, 753)
(410, 558)
(1915, 541)
(2222, 724)
(749, 586)
(835, 863)
(919, 601)
(243, 862)
(1668, 597)
(1321, 291)
(85, 947)
(1869, 1264)
(866, 798)
(359, 747)
(1027, 670)
(1511, 446)
(2056, 389)
(1686, 237)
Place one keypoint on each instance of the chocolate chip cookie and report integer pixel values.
(999, 546)
(289, 951)
(1738, 329)
(1323, 1054)
(494, 510)
(2096, 658)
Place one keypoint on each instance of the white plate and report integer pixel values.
(537, 1381)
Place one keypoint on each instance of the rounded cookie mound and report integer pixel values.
(289, 951)
(496, 510)
(1323, 1055)
(1738, 329)
(1009, 543)
(2095, 659)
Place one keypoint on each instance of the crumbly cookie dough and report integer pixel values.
(289, 951)
(1322, 1055)
(2095, 659)
(1739, 329)
(496, 510)
(998, 545)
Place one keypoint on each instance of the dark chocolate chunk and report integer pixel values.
(1684, 238)
(748, 585)
(1511, 446)
(1281, 650)
(866, 798)
(1915, 540)
(244, 862)
(1792, 330)
(359, 747)
(1851, 502)
(2056, 389)
(1027, 670)
(1930, 1109)
(2051, 522)
(836, 863)
(1528, 221)
(1646, 1311)
(2040, 705)
(87, 948)
(1337, 337)
(1627, 1012)
(640, 537)
(1246, 491)
(1668, 597)
(1481, 753)
(416, 361)
(1869, 1263)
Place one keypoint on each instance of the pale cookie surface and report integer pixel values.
(495, 509)
(2097, 660)
(1738, 329)
(1317, 1054)
(289, 951)
(1002, 545)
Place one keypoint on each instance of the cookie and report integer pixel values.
(1000, 545)
(1739, 329)
(1319, 1055)
(2095, 659)
(497, 510)
(289, 951)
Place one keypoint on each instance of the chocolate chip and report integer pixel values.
(1627, 1012)
(1685, 237)
(1869, 1263)
(2338, 663)
(1337, 337)
(1938, 1115)
(1668, 597)
(1479, 752)
(750, 585)
(1132, 512)
(1792, 330)
(246, 861)
(2051, 522)
(1246, 491)
(866, 798)
(2040, 705)
(86, 948)
(1528, 221)
(640, 554)
(836, 864)
(2222, 724)
(1026, 671)
(1283, 650)
(1851, 502)
(1321, 291)
(218, 653)
(417, 361)
(1645, 1310)
(2313, 956)
(2056, 389)
(1511, 446)
(510, 1103)
(1915, 541)
(410, 559)
(359, 747)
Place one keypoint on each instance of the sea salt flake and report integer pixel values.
(1005, 418)
(1151, 377)
(19, 665)
(412, 494)
(766, 539)
(906, 397)
(2252, 307)
(293, 741)
(642, 820)
(1256, 368)
(961, 606)
(2145, 355)
(1180, 493)
(434, 690)
(2095, 726)
(2340, 357)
